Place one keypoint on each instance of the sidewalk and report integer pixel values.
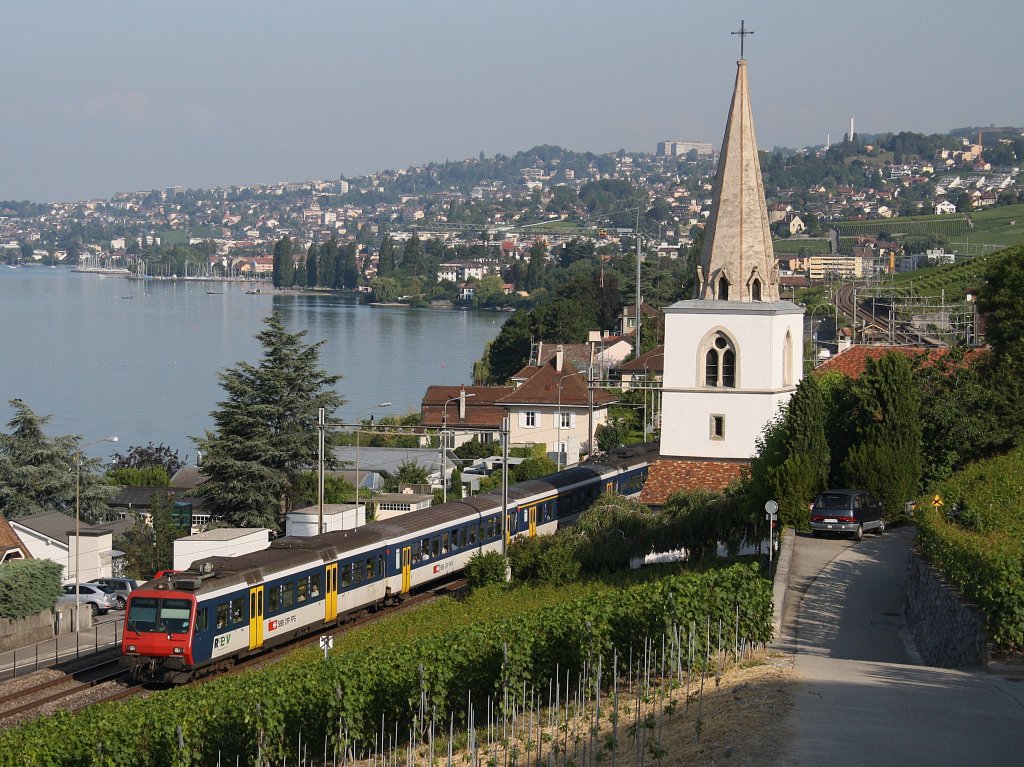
(67, 647)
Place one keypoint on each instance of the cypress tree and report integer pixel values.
(386, 261)
(284, 263)
(886, 456)
(312, 265)
(328, 258)
(264, 439)
(412, 256)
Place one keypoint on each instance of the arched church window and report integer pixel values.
(729, 369)
(711, 368)
(720, 363)
(723, 289)
(755, 290)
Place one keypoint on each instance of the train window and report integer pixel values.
(358, 569)
(303, 589)
(369, 569)
(380, 565)
(463, 537)
(222, 615)
(472, 534)
(201, 621)
(287, 594)
(446, 545)
(346, 576)
(238, 610)
(273, 601)
(415, 551)
(425, 548)
(314, 586)
(435, 546)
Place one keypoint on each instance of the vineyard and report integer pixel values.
(480, 667)
(974, 540)
(953, 225)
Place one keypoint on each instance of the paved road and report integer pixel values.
(863, 698)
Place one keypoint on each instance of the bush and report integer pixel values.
(484, 569)
(546, 559)
(28, 586)
(976, 541)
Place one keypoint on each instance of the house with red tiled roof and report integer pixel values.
(552, 406)
(11, 546)
(852, 361)
(647, 367)
(466, 411)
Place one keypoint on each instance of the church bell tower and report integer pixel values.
(732, 353)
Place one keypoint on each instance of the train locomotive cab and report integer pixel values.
(157, 640)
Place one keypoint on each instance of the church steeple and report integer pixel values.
(737, 262)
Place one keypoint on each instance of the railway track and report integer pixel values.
(48, 691)
(893, 331)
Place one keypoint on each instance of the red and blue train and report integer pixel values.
(202, 620)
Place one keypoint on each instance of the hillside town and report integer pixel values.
(482, 215)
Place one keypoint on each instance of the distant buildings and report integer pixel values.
(680, 148)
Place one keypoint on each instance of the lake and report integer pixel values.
(104, 355)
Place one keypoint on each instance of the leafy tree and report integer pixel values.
(886, 458)
(490, 291)
(265, 438)
(408, 473)
(149, 545)
(793, 456)
(455, 491)
(1002, 303)
(38, 473)
(532, 468)
(150, 456)
(485, 569)
(150, 476)
(28, 586)
(610, 435)
(476, 449)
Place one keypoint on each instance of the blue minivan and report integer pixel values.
(846, 512)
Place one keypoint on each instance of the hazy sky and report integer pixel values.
(100, 97)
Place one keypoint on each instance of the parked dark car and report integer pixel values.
(846, 512)
(121, 587)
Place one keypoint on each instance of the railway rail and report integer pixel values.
(895, 331)
(50, 690)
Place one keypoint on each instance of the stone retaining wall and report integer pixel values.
(40, 627)
(948, 632)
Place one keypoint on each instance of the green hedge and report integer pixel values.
(28, 586)
(264, 711)
(976, 540)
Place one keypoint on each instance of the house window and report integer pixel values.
(720, 363)
(530, 420)
(718, 427)
(565, 420)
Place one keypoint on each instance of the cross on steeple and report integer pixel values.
(743, 32)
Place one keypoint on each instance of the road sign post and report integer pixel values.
(771, 512)
(326, 643)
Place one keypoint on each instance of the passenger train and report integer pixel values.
(201, 620)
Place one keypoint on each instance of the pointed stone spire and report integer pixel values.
(738, 262)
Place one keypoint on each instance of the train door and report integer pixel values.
(406, 569)
(255, 617)
(331, 596)
(510, 525)
(533, 521)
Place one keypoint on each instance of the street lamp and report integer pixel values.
(78, 524)
(444, 426)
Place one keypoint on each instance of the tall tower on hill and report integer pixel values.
(733, 352)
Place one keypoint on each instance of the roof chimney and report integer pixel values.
(558, 358)
(462, 404)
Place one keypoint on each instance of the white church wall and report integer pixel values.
(766, 374)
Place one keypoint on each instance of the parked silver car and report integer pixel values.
(122, 587)
(100, 598)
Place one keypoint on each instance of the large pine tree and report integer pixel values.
(38, 473)
(266, 435)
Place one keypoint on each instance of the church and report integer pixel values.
(733, 353)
